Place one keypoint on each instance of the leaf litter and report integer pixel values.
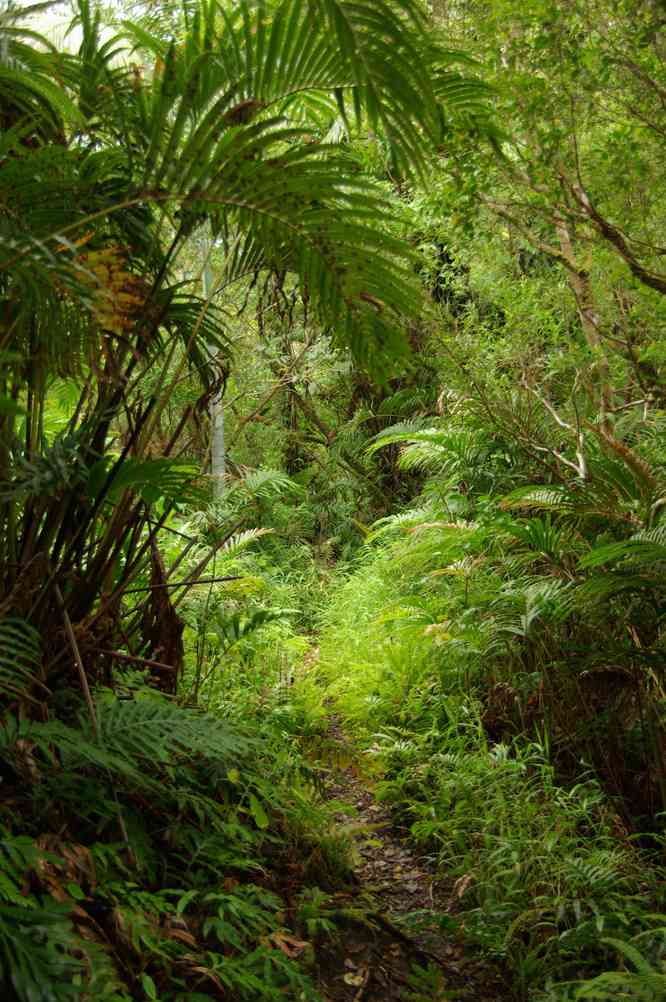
(406, 944)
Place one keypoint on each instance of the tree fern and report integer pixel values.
(134, 738)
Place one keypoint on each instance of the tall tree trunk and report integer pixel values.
(218, 457)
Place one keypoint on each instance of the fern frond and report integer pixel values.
(231, 629)
(157, 730)
(266, 483)
(406, 432)
(615, 985)
(638, 550)
(20, 657)
(37, 953)
(242, 540)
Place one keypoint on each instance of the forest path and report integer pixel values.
(410, 949)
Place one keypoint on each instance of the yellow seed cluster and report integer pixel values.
(118, 295)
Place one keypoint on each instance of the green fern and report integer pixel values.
(647, 983)
(38, 954)
(153, 729)
(18, 855)
(20, 658)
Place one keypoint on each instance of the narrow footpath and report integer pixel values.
(410, 948)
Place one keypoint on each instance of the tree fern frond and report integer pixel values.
(416, 430)
(266, 483)
(402, 521)
(539, 499)
(130, 735)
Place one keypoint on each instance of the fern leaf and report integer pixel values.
(20, 657)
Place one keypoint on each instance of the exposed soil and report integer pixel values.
(412, 947)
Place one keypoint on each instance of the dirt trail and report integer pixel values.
(377, 962)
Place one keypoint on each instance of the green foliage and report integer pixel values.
(199, 806)
(20, 652)
(496, 642)
(435, 650)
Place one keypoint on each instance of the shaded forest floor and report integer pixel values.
(408, 947)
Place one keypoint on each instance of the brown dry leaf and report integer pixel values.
(24, 760)
(289, 945)
(162, 626)
(380, 976)
(75, 862)
(183, 937)
(211, 975)
(462, 884)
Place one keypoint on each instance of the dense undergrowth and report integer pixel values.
(152, 849)
(440, 650)
(171, 856)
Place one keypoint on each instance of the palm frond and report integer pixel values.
(638, 551)
(151, 478)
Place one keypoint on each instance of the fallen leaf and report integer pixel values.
(355, 980)
(290, 946)
(462, 884)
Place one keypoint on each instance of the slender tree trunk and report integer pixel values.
(218, 457)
